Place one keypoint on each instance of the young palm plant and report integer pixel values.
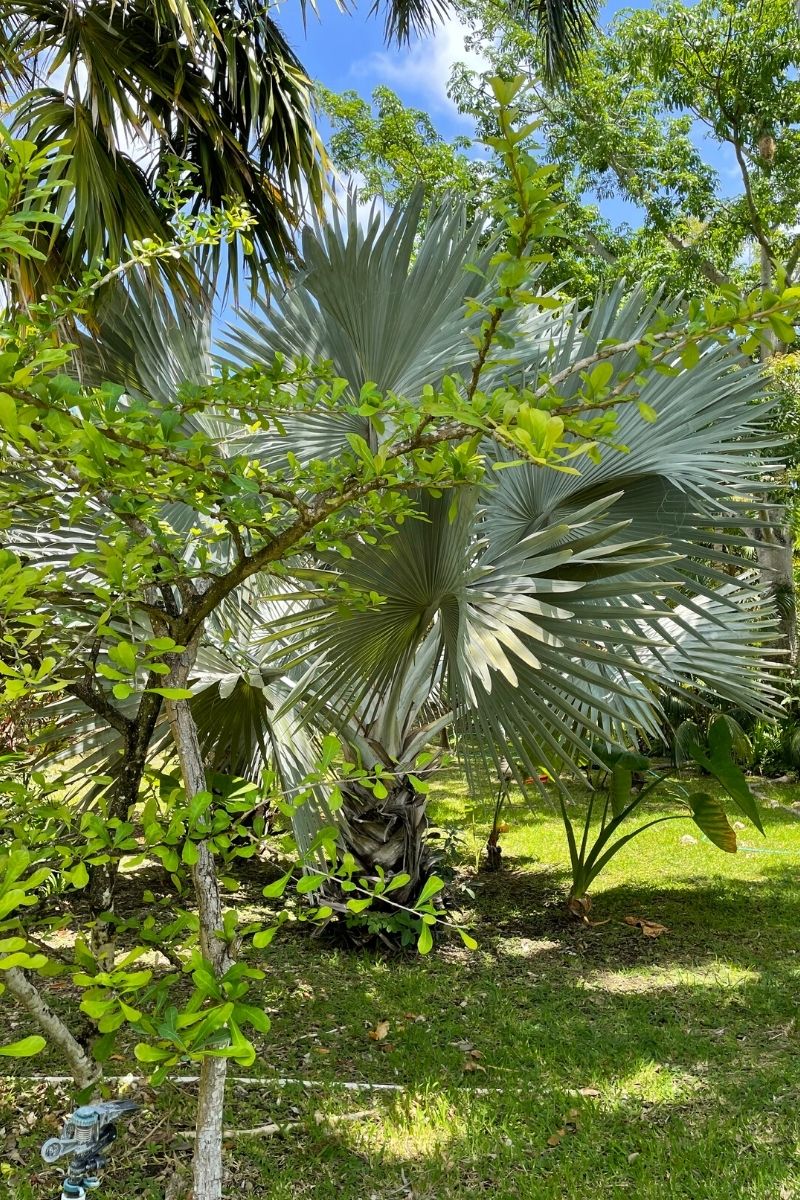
(563, 605)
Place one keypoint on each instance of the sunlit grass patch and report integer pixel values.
(672, 1065)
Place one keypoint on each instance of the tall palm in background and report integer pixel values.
(204, 97)
(563, 27)
(144, 94)
(538, 614)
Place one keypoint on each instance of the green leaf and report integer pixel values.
(273, 890)
(620, 788)
(8, 413)
(398, 881)
(172, 693)
(124, 655)
(309, 883)
(264, 937)
(10, 944)
(254, 1016)
(709, 815)
(26, 1048)
(468, 940)
(79, 876)
(150, 1054)
(601, 376)
(189, 853)
(433, 885)
(718, 761)
(330, 748)
(28, 962)
(690, 355)
(425, 940)
(782, 328)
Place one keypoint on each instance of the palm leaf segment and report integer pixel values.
(382, 304)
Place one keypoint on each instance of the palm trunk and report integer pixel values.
(775, 553)
(388, 833)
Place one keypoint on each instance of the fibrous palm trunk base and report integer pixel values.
(388, 834)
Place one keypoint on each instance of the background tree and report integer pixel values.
(646, 103)
(393, 151)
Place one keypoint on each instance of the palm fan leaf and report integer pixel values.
(384, 304)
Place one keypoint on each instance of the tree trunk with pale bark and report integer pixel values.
(207, 1169)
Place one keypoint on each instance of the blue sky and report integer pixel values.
(347, 51)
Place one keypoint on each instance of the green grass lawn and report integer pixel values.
(559, 1060)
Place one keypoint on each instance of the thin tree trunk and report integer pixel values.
(84, 1071)
(775, 554)
(207, 1162)
(103, 878)
(775, 548)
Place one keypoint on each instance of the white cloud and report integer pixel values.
(345, 186)
(425, 66)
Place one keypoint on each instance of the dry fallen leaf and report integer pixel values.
(688, 840)
(588, 1091)
(380, 1031)
(650, 929)
(633, 1156)
(470, 1066)
(555, 1138)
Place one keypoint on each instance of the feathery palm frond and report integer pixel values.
(406, 17)
(563, 27)
(211, 89)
